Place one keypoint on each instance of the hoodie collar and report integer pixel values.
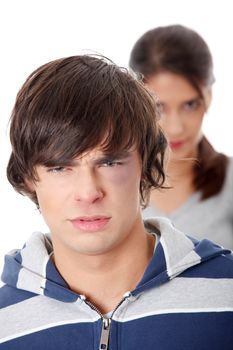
(32, 268)
(175, 253)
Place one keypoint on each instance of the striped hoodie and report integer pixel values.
(184, 301)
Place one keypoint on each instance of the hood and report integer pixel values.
(175, 253)
(32, 268)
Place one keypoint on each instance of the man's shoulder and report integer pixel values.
(10, 296)
(219, 267)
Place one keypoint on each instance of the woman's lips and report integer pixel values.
(90, 223)
(176, 144)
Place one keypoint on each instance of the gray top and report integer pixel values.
(211, 218)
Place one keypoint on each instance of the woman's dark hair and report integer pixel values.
(183, 51)
(71, 105)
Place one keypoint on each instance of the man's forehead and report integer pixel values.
(96, 154)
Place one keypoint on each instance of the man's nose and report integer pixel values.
(88, 188)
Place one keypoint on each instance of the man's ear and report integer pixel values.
(30, 185)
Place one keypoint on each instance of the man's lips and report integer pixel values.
(90, 223)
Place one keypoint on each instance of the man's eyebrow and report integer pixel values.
(112, 156)
(105, 156)
(116, 155)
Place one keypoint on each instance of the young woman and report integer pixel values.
(176, 65)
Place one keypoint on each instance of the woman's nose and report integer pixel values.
(172, 124)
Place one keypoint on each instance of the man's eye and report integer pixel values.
(57, 169)
(110, 163)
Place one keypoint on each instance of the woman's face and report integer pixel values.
(182, 110)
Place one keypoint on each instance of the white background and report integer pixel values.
(34, 32)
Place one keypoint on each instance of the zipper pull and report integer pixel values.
(105, 334)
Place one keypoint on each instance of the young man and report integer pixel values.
(86, 148)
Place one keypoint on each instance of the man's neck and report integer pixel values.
(104, 279)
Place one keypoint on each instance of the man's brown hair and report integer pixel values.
(70, 106)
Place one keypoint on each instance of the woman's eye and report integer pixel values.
(160, 107)
(192, 105)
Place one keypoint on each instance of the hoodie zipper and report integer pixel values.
(106, 322)
(105, 334)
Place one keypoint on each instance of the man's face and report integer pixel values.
(91, 205)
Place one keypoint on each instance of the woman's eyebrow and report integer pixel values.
(194, 98)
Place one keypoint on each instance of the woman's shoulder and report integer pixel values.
(230, 165)
(229, 176)
(227, 190)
